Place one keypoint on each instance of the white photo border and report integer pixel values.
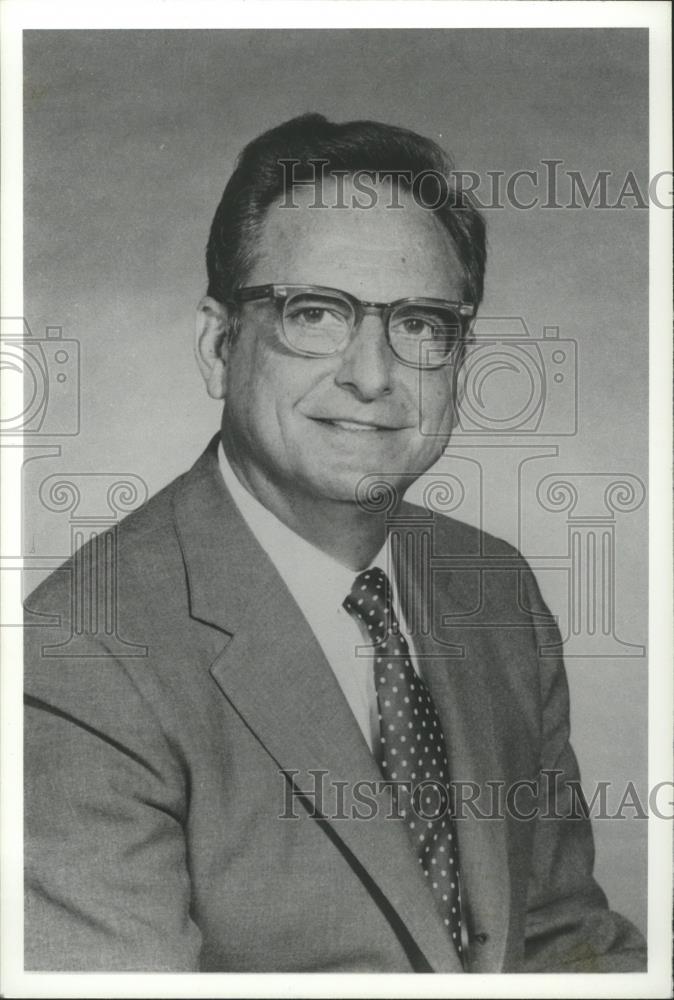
(19, 15)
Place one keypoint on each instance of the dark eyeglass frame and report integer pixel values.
(280, 293)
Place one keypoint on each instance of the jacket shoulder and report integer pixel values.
(142, 545)
(455, 537)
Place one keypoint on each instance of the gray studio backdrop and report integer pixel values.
(129, 139)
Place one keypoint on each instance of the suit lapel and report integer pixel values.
(273, 671)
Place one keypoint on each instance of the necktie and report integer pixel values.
(412, 746)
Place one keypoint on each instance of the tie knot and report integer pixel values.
(370, 602)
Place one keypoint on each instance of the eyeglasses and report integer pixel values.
(318, 322)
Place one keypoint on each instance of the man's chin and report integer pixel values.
(374, 491)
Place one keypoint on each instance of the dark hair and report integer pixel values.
(369, 146)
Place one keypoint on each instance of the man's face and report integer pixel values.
(313, 427)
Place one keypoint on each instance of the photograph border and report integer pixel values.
(18, 16)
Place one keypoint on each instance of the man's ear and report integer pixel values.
(213, 330)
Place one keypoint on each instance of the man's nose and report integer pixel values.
(367, 363)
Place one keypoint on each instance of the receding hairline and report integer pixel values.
(354, 147)
(323, 206)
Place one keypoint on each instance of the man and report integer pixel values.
(278, 784)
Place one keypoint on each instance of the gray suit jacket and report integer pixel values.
(162, 776)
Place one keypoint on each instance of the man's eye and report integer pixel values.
(312, 317)
(422, 326)
(317, 316)
(415, 326)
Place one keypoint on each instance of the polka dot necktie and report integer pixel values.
(412, 747)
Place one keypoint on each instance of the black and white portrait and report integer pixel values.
(334, 459)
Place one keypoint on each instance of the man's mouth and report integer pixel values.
(353, 425)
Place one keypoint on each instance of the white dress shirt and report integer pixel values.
(319, 584)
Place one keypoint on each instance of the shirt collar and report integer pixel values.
(299, 563)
